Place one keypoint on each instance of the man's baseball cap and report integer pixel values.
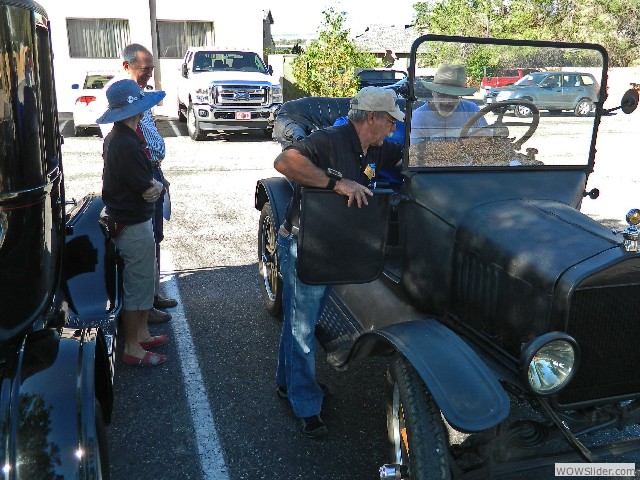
(376, 99)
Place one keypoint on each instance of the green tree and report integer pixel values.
(610, 23)
(327, 66)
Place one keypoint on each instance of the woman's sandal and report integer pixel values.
(149, 359)
(154, 342)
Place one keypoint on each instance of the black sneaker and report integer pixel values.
(313, 427)
(282, 391)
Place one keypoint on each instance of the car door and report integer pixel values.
(572, 90)
(549, 91)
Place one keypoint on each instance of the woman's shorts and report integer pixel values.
(137, 248)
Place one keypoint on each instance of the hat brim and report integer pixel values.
(113, 115)
(397, 114)
(449, 89)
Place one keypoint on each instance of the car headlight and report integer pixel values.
(504, 95)
(549, 362)
(276, 94)
(202, 95)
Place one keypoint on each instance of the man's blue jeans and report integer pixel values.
(297, 354)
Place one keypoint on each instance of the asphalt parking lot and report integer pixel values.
(222, 325)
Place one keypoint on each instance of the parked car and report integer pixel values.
(87, 107)
(552, 91)
(59, 279)
(379, 77)
(421, 92)
(508, 316)
(504, 77)
(226, 90)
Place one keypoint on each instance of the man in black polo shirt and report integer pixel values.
(343, 159)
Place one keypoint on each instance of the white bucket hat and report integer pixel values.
(450, 80)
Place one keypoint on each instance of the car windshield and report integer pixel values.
(209, 61)
(96, 81)
(548, 124)
(531, 79)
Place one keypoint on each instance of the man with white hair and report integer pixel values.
(443, 117)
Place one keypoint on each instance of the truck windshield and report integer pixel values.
(210, 61)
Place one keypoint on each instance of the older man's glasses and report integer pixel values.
(392, 121)
(147, 69)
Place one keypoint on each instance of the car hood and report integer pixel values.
(233, 75)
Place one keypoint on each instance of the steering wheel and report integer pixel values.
(535, 120)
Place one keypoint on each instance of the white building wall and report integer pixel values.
(234, 27)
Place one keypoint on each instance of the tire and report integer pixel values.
(584, 107)
(271, 284)
(268, 132)
(181, 117)
(522, 111)
(418, 440)
(101, 436)
(193, 126)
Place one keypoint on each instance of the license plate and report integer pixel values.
(489, 100)
(243, 115)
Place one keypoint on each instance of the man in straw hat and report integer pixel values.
(343, 159)
(444, 116)
(129, 192)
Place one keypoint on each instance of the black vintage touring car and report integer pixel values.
(59, 294)
(511, 316)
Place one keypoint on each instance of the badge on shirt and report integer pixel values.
(370, 171)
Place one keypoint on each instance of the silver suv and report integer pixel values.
(552, 91)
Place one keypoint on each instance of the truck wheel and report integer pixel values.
(101, 436)
(418, 440)
(271, 284)
(193, 127)
(181, 117)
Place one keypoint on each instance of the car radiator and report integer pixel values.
(605, 322)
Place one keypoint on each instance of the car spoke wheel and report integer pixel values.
(522, 111)
(583, 108)
(192, 125)
(418, 441)
(271, 284)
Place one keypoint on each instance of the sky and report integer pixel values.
(303, 17)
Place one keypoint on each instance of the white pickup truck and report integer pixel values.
(224, 89)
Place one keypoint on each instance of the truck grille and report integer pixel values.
(240, 96)
(605, 323)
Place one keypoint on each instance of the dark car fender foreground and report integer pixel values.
(46, 425)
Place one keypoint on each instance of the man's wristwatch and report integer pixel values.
(334, 176)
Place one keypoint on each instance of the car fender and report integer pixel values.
(92, 285)
(277, 191)
(465, 389)
(47, 404)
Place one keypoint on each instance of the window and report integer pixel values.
(174, 38)
(97, 37)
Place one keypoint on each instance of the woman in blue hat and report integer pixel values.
(129, 193)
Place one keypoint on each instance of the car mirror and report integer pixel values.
(340, 244)
(185, 70)
(628, 104)
(629, 101)
(269, 69)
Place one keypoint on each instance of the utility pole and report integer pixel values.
(157, 73)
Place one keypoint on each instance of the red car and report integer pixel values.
(507, 76)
